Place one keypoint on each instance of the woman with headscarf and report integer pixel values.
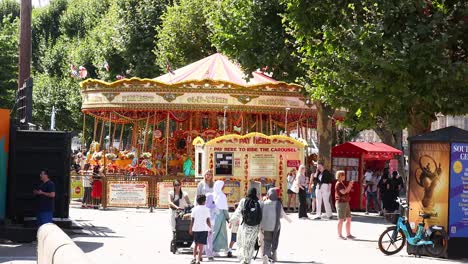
(205, 186)
(210, 204)
(272, 212)
(222, 217)
(247, 235)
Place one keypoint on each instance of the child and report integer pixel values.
(210, 204)
(199, 228)
(233, 225)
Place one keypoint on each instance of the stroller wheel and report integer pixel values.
(173, 247)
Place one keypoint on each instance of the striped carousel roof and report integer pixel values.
(216, 67)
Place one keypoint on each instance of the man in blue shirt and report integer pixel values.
(46, 194)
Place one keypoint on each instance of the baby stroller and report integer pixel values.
(181, 237)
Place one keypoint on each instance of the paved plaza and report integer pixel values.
(122, 236)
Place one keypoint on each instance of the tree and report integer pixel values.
(252, 33)
(8, 61)
(399, 62)
(183, 36)
(9, 8)
(138, 21)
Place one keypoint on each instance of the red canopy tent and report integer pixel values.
(354, 158)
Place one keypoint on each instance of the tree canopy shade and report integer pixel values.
(183, 36)
(400, 61)
(252, 33)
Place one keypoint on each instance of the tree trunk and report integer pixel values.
(420, 123)
(324, 129)
(393, 138)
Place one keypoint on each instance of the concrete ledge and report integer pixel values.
(54, 246)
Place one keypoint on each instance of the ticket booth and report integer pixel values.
(254, 159)
(438, 184)
(355, 157)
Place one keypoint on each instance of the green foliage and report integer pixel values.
(252, 33)
(138, 20)
(183, 36)
(63, 93)
(9, 8)
(82, 16)
(8, 61)
(400, 61)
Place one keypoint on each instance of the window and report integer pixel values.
(223, 163)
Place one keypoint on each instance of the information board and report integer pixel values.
(127, 194)
(458, 217)
(262, 165)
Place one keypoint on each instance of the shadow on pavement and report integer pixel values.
(369, 219)
(88, 246)
(13, 251)
(292, 261)
(87, 229)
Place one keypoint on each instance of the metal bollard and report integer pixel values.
(56, 247)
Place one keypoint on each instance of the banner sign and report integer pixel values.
(458, 218)
(127, 194)
(429, 182)
(76, 188)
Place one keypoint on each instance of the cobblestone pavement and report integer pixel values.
(119, 236)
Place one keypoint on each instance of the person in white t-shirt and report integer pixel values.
(199, 228)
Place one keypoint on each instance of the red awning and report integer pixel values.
(376, 151)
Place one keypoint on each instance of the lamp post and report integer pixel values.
(286, 121)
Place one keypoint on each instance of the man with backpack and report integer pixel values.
(249, 213)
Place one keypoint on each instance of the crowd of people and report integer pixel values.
(255, 223)
(311, 193)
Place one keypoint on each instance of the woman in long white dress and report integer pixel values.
(220, 240)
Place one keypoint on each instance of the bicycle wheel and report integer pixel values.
(440, 244)
(389, 245)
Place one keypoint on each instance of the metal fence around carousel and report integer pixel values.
(104, 181)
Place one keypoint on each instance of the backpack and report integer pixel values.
(251, 213)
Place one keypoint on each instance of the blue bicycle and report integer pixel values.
(431, 241)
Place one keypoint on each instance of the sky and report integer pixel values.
(39, 3)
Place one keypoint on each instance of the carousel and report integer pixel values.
(147, 126)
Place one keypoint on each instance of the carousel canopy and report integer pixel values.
(213, 84)
(219, 68)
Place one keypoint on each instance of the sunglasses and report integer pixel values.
(177, 185)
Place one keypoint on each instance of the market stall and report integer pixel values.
(252, 159)
(208, 98)
(355, 157)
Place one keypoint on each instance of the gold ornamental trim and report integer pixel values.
(206, 83)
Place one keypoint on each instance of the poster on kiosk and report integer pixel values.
(458, 220)
(254, 159)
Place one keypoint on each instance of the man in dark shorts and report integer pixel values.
(46, 195)
(199, 228)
